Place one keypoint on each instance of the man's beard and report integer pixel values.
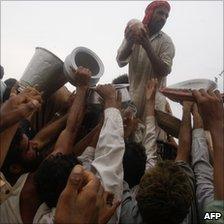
(156, 27)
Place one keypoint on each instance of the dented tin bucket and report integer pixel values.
(45, 70)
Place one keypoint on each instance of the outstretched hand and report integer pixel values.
(84, 200)
(210, 107)
(107, 206)
(77, 202)
(24, 103)
(81, 76)
(108, 94)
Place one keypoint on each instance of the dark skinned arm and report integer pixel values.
(67, 137)
(160, 67)
(130, 39)
(211, 109)
(18, 107)
(26, 103)
(89, 140)
(49, 133)
(184, 147)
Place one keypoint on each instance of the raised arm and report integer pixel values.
(184, 148)
(89, 140)
(160, 63)
(49, 133)
(19, 106)
(126, 47)
(200, 163)
(149, 139)
(66, 139)
(110, 148)
(211, 109)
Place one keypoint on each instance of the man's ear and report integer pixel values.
(15, 168)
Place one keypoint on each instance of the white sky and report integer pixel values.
(196, 28)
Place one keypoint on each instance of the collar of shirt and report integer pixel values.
(156, 35)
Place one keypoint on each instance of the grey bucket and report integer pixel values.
(44, 70)
(82, 56)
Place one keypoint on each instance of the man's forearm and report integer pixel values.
(125, 52)
(184, 148)
(11, 118)
(66, 139)
(5, 141)
(218, 139)
(150, 108)
(87, 141)
(158, 65)
(50, 132)
(76, 112)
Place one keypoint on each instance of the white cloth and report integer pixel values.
(149, 142)
(202, 169)
(141, 70)
(5, 188)
(147, 135)
(106, 161)
(109, 153)
(87, 157)
(3, 87)
(10, 209)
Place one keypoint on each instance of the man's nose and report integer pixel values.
(163, 17)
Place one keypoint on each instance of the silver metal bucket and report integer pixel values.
(82, 56)
(44, 70)
(93, 97)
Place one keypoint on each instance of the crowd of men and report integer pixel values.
(65, 161)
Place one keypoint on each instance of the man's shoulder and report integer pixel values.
(165, 37)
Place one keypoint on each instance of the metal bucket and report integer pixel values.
(82, 56)
(93, 97)
(44, 70)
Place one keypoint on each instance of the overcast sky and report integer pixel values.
(196, 28)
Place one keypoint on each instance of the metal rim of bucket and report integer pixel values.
(49, 52)
(94, 55)
(121, 86)
(70, 63)
(210, 84)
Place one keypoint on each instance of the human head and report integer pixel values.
(2, 72)
(156, 14)
(21, 156)
(134, 161)
(9, 84)
(164, 194)
(121, 79)
(166, 150)
(51, 177)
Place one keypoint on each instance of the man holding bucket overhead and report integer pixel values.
(149, 53)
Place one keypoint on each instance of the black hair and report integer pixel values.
(52, 175)
(122, 79)
(9, 84)
(13, 154)
(134, 162)
(164, 194)
(166, 151)
(2, 72)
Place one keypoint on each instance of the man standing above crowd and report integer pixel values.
(149, 52)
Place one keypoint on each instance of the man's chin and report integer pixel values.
(31, 162)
